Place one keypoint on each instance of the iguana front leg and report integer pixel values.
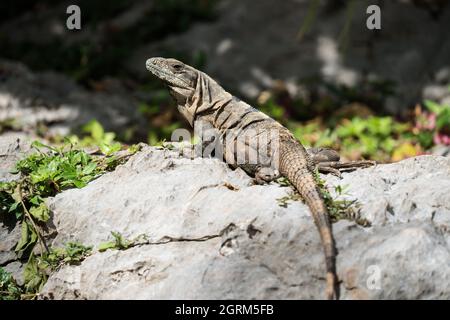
(266, 174)
(327, 160)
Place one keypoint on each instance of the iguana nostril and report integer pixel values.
(150, 62)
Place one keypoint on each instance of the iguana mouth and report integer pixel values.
(158, 71)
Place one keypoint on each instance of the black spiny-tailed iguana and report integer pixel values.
(243, 132)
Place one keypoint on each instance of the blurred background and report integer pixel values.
(311, 64)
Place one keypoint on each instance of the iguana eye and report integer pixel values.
(177, 67)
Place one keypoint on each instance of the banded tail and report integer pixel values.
(295, 166)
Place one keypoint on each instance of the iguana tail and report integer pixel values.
(297, 168)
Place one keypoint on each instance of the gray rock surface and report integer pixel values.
(214, 235)
(54, 100)
(13, 147)
(9, 236)
(16, 269)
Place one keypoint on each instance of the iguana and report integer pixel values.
(240, 127)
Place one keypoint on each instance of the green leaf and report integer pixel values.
(432, 106)
(35, 276)
(13, 207)
(41, 212)
(108, 149)
(36, 200)
(443, 119)
(95, 129)
(134, 148)
(9, 290)
(89, 168)
(84, 158)
(23, 238)
(388, 144)
(79, 183)
(425, 139)
(27, 239)
(106, 245)
(38, 145)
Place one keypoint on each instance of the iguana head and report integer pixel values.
(179, 77)
(192, 89)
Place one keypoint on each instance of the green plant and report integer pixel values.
(375, 137)
(433, 125)
(44, 174)
(119, 242)
(283, 181)
(442, 113)
(57, 169)
(292, 196)
(342, 208)
(273, 109)
(95, 135)
(313, 134)
(9, 124)
(9, 290)
(337, 209)
(39, 267)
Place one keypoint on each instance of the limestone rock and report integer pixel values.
(212, 234)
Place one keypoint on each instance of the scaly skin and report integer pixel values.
(200, 98)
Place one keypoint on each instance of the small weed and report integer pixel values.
(95, 135)
(9, 124)
(48, 171)
(39, 267)
(120, 243)
(9, 290)
(292, 196)
(432, 125)
(340, 209)
(283, 181)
